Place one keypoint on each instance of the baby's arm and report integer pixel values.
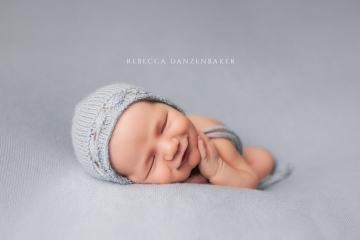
(229, 176)
(218, 171)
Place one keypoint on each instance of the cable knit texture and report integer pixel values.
(94, 120)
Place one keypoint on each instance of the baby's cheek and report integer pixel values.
(162, 175)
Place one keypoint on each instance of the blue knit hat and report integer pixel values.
(94, 120)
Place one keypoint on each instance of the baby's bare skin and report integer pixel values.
(151, 138)
(255, 160)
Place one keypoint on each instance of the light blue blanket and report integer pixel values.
(293, 89)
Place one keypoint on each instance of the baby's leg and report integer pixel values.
(259, 159)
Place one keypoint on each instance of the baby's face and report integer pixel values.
(149, 142)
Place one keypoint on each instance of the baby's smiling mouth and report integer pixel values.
(184, 155)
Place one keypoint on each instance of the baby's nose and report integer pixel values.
(170, 156)
(173, 149)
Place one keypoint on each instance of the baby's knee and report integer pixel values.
(266, 156)
(260, 157)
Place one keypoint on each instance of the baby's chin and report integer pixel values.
(192, 169)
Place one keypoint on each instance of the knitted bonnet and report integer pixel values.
(93, 123)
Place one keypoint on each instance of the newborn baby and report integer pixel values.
(125, 134)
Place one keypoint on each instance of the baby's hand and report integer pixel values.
(210, 161)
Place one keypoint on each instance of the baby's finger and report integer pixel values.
(204, 137)
(212, 150)
(209, 146)
(202, 148)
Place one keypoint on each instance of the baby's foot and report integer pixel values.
(280, 171)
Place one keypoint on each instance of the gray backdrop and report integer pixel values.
(294, 89)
